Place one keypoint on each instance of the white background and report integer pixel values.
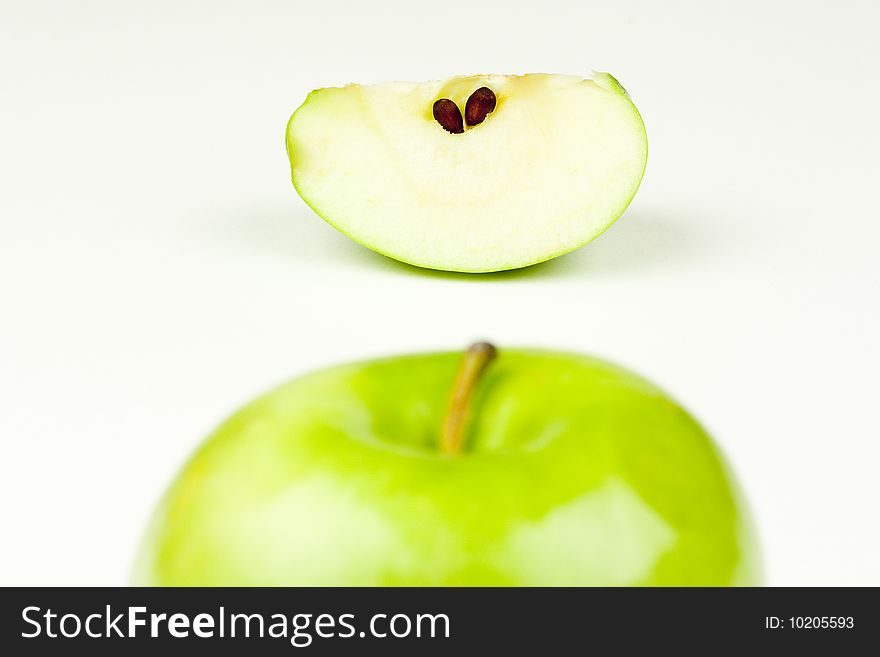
(157, 269)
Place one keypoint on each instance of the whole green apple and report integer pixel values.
(541, 468)
(473, 173)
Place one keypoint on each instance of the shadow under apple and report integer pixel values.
(640, 242)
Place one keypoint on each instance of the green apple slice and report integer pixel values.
(551, 166)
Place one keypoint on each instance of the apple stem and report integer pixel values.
(473, 364)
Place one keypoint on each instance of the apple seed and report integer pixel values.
(448, 115)
(480, 104)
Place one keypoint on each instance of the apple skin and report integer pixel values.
(576, 472)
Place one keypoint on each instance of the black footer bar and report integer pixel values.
(429, 621)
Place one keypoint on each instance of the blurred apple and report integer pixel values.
(532, 468)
